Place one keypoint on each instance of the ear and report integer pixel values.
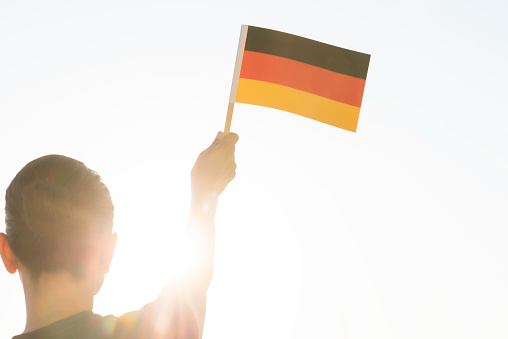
(109, 251)
(9, 259)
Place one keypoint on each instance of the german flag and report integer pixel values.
(298, 75)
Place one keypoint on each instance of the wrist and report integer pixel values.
(204, 205)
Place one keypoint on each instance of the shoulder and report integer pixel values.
(158, 320)
(84, 325)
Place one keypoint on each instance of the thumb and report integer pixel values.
(218, 139)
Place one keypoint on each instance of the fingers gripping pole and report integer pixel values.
(236, 77)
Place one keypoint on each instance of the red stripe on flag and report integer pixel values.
(304, 77)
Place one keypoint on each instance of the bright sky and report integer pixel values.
(396, 231)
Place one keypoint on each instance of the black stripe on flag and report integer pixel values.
(333, 58)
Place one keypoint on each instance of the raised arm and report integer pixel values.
(213, 171)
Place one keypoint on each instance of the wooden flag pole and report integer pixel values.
(236, 77)
(229, 117)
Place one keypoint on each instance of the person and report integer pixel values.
(59, 219)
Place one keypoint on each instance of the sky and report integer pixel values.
(397, 231)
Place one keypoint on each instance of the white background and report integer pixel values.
(396, 231)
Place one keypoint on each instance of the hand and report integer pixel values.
(215, 168)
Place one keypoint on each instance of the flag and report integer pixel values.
(299, 75)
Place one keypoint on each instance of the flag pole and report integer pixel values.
(236, 77)
(229, 117)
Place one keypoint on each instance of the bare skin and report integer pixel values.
(58, 295)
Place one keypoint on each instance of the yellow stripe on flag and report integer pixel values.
(288, 99)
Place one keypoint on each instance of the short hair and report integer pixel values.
(54, 206)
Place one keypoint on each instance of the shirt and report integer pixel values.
(152, 321)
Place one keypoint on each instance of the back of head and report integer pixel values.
(54, 208)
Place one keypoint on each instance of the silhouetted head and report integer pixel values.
(55, 210)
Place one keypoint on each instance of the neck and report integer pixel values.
(54, 297)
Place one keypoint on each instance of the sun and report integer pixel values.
(152, 247)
